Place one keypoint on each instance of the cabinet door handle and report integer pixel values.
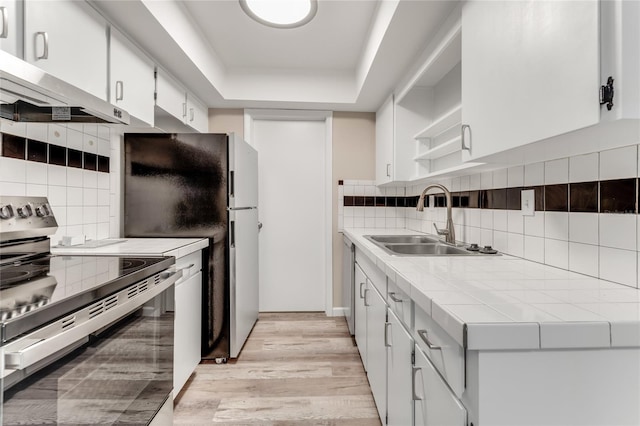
(393, 297)
(45, 41)
(366, 291)
(191, 114)
(5, 22)
(415, 395)
(119, 90)
(361, 295)
(462, 130)
(184, 110)
(388, 169)
(425, 338)
(386, 334)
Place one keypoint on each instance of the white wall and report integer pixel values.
(84, 202)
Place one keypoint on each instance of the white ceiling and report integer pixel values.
(350, 57)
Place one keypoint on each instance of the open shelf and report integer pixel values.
(442, 124)
(445, 55)
(445, 148)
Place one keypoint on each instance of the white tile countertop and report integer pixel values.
(505, 302)
(177, 247)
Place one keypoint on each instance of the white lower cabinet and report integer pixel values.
(435, 404)
(187, 338)
(361, 314)
(376, 347)
(399, 368)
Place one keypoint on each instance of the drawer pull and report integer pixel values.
(423, 335)
(393, 297)
(386, 334)
(361, 294)
(415, 396)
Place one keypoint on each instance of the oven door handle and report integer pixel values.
(76, 327)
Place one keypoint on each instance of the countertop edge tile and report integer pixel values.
(625, 334)
(563, 335)
(501, 336)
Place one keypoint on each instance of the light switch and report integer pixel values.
(528, 199)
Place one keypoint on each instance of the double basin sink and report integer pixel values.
(418, 245)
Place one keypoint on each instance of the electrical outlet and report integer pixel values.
(528, 202)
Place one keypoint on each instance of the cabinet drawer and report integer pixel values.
(184, 263)
(400, 303)
(443, 351)
(375, 275)
(434, 404)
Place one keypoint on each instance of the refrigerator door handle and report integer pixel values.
(232, 234)
(232, 176)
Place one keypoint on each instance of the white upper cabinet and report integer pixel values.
(384, 143)
(131, 85)
(530, 71)
(171, 97)
(11, 26)
(620, 58)
(68, 39)
(197, 114)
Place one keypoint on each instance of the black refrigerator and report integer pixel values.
(202, 185)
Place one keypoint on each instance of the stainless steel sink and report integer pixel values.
(428, 249)
(419, 245)
(403, 239)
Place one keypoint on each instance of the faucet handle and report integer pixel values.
(440, 231)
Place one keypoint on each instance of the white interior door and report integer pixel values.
(292, 176)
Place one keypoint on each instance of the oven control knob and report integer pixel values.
(43, 210)
(25, 211)
(6, 211)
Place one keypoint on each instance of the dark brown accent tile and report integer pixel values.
(440, 200)
(57, 155)
(455, 199)
(390, 201)
(494, 199)
(369, 201)
(464, 199)
(104, 164)
(401, 201)
(556, 198)
(474, 200)
(583, 197)
(74, 158)
(380, 201)
(349, 201)
(340, 182)
(412, 202)
(90, 161)
(514, 198)
(13, 146)
(539, 198)
(37, 151)
(618, 196)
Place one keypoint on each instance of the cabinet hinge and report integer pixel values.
(606, 94)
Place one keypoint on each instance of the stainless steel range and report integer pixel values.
(84, 339)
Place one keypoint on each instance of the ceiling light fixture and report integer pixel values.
(281, 13)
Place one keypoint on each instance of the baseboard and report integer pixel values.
(338, 311)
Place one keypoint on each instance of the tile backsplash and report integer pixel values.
(361, 204)
(586, 217)
(76, 166)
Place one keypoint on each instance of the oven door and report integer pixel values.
(121, 373)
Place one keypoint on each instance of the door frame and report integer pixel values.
(250, 115)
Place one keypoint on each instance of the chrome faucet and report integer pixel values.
(449, 232)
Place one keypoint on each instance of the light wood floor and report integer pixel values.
(295, 369)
